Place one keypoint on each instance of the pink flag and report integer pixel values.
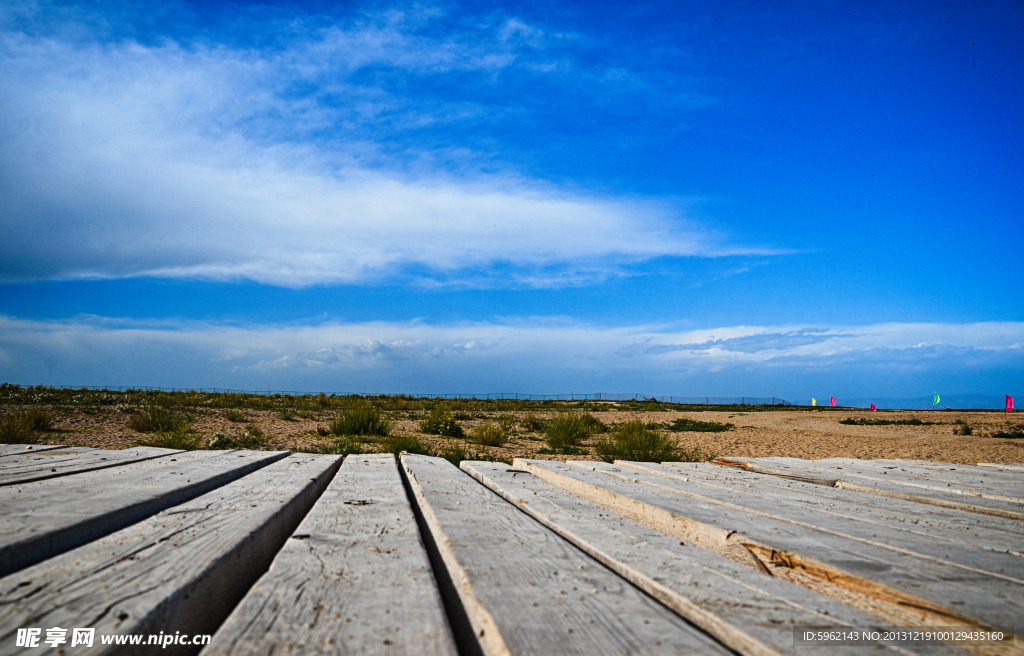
(832, 401)
(872, 407)
(1009, 403)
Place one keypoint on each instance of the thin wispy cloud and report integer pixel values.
(539, 355)
(189, 160)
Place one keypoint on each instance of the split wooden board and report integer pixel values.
(926, 521)
(882, 485)
(45, 518)
(747, 610)
(524, 589)
(353, 579)
(40, 465)
(887, 583)
(181, 570)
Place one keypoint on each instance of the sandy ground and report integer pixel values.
(797, 434)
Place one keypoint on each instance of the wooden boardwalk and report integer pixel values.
(278, 553)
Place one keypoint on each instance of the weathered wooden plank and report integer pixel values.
(45, 518)
(802, 509)
(747, 610)
(18, 449)
(354, 579)
(1006, 466)
(526, 590)
(37, 466)
(933, 522)
(946, 497)
(900, 588)
(966, 478)
(181, 570)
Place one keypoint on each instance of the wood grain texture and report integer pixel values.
(747, 610)
(18, 449)
(804, 509)
(354, 578)
(45, 518)
(942, 477)
(946, 498)
(528, 591)
(1006, 466)
(932, 522)
(919, 592)
(180, 570)
(38, 466)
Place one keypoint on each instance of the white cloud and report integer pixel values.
(195, 161)
(545, 355)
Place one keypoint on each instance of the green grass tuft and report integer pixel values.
(361, 421)
(962, 428)
(184, 441)
(160, 420)
(685, 424)
(408, 443)
(252, 437)
(533, 423)
(863, 421)
(235, 415)
(634, 440)
(568, 429)
(1012, 432)
(339, 446)
(440, 422)
(489, 434)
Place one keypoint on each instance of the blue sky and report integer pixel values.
(689, 198)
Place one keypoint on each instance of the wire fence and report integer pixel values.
(571, 396)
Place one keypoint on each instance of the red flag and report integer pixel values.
(1009, 403)
(872, 407)
(832, 400)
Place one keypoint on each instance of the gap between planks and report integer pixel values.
(702, 524)
(182, 569)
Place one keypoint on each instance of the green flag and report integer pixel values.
(936, 401)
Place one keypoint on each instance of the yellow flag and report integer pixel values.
(814, 401)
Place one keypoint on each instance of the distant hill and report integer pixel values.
(981, 401)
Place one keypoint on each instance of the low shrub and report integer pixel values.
(962, 428)
(567, 429)
(159, 420)
(439, 422)
(634, 440)
(864, 421)
(1012, 432)
(407, 443)
(506, 422)
(15, 428)
(252, 437)
(340, 446)
(235, 415)
(533, 423)
(489, 434)
(286, 415)
(38, 419)
(184, 441)
(361, 421)
(685, 424)
(565, 451)
(593, 424)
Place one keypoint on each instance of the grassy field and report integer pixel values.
(493, 429)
